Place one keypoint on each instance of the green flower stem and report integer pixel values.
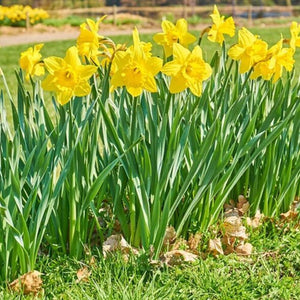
(71, 194)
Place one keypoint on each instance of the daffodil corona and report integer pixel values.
(220, 27)
(30, 61)
(187, 70)
(135, 68)
(174, 34)
(67, 77)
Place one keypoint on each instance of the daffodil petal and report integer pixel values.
(82, 89)
(180, 53)
(177, 84)
(53, 63)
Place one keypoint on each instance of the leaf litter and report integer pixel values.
(29, 283)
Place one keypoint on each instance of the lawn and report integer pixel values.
(273, 271)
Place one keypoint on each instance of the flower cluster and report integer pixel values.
(17, 15)
(135, 68)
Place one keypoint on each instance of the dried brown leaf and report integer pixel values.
(233, 227)
(228, 240)
(83, 275)
(29, 283)
(256, 220)
(117, 243)
(230, 209)
(177, 257)
(289, 215)
(194, 241)
(215, 247)
(242, 205)
(244, 249)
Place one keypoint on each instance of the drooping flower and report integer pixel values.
(67, 76)
(174, 34)
(220, 27)
(277, 59)
(295, 38)
(88, 40)
(135, 68)
(31, 61)
(249, 50)
(187, 70)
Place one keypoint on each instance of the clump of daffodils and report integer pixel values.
(17, 14)
(135, 68)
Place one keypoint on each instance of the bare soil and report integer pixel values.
(10, 36)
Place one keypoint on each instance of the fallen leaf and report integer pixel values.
(215, 247)
(28, 283)
(233, 227)
(244, 249)
(177, 257)
(242, 205)
(229, 243)
(230, 209)
(194, 241)
(289, 215)
(170, 236)
(117, 243)
(256, 220)
(83, 275)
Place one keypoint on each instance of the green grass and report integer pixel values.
(273, 271)
(70, 20)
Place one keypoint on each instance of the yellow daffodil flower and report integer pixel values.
(220, 27)
(30, 61)
(174, 34)
(67, 77)
(135, 68)
(88, 40)
(277, 59)
(249, 50)
(187, 70)
(295, 38)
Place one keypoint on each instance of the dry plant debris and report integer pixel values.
(29, 283)
(256, 221)
(115, 243)
(215, 246)
(177, 257)
(83, 275)
(292, 213)
(234, 234)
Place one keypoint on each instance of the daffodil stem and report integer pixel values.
(72, 203)
(132, 214)
(246, 79)
(199, 40)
